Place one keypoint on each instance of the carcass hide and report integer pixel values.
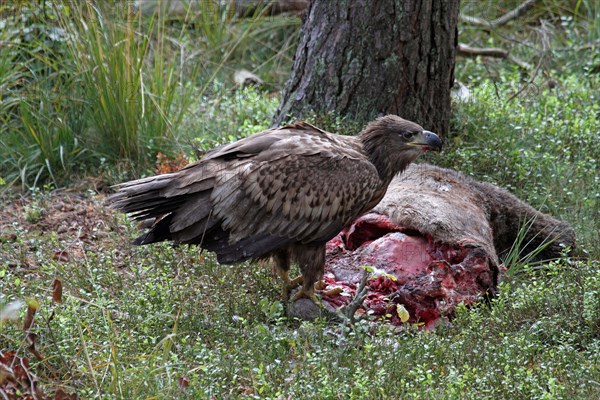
(434, 242)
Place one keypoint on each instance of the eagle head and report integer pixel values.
(392, 143)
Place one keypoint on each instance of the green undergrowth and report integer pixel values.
(226, 116)
(163, 322)
(541, 145)
(99, 88)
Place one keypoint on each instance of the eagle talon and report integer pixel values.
(308, 294)
(332, 292)
(288, 284)
(287, 288)
(296, 281)
(320, 285)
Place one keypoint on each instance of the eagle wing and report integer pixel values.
(291, 185)
(298, 199)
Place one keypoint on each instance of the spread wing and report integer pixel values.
(291, 185)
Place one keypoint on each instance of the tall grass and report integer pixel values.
(89, 84)
(130, 100)
(36, 113)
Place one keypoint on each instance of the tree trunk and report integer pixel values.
(364, 58)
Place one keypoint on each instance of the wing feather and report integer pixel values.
(292, 185)
(191, 212)
(319, 194)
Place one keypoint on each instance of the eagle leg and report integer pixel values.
(311, 260)
(288, 284)
(282, 268)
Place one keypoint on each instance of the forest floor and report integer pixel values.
(167, 322)
(84, 314)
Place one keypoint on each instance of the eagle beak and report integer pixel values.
(427, 141)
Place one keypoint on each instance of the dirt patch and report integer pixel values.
(76, 223)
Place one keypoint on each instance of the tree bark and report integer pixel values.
(364, 58)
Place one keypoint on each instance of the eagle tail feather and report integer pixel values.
(251, 247)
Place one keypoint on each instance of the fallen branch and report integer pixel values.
(519, 62)
(468, 51)
(347, 312)
(242, 8)
(515, 13)
(528, 84)
(502, 20)
(588, 46)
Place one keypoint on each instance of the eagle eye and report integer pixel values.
(407, 134)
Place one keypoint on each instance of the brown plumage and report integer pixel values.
(281, 193)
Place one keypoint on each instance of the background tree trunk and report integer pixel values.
(363, 58)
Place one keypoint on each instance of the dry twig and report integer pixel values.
(502, 20)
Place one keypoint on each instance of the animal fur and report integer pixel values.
(455, 209)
